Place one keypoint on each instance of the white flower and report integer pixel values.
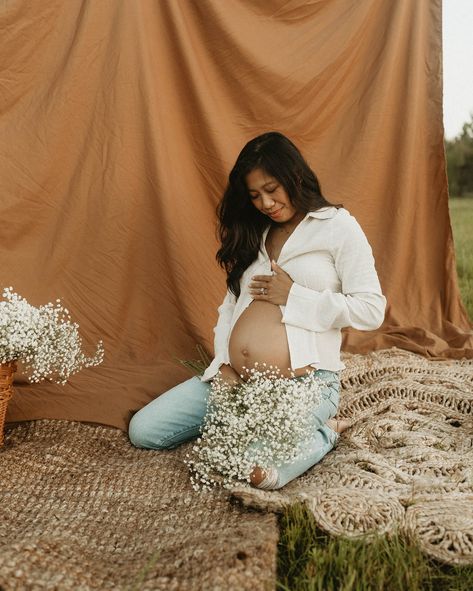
(265, 421)
(43, 339)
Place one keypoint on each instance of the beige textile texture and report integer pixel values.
(81, 509)
(119, 124)
(406, 463)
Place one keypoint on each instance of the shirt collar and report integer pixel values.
(324, 213)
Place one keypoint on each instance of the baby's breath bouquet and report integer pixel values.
(264, 421)
(43, 338)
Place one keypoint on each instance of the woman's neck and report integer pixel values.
(289, 226)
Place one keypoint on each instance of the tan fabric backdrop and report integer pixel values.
(119, 123)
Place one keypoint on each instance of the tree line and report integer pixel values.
(459, 154)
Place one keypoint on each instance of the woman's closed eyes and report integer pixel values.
(267, 191)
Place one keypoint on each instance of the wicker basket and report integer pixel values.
(7, 371)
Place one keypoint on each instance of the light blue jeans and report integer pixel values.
(176, 416)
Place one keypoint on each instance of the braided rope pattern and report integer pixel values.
(405, 464)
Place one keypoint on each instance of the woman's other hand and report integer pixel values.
(229, 375)
(276, 287)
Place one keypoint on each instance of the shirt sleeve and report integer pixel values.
(222, 328)
(360, 304)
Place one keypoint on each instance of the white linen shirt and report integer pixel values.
(335, 285)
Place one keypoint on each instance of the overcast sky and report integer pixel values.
(457, 64)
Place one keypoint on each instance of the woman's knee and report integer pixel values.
(158, 424)
(144, 433)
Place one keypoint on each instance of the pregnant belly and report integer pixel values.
(260, 336)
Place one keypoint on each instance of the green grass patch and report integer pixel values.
(461, 214)
(310, 560)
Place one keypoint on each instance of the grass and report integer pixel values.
(461, 214)
(309, 560)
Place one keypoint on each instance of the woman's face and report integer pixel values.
(269, 196)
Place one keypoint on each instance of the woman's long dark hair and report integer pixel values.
(240, 224)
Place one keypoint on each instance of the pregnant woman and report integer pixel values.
(298, 270)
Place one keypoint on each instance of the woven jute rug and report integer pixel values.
(82, 509)
(406, 464)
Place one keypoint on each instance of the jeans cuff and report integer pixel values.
(270, 481)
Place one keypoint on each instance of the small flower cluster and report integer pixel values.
(43, 338)
(265, 420)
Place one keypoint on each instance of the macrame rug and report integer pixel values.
(405, 464)
(82, 509)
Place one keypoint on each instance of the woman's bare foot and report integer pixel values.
(338, 425)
